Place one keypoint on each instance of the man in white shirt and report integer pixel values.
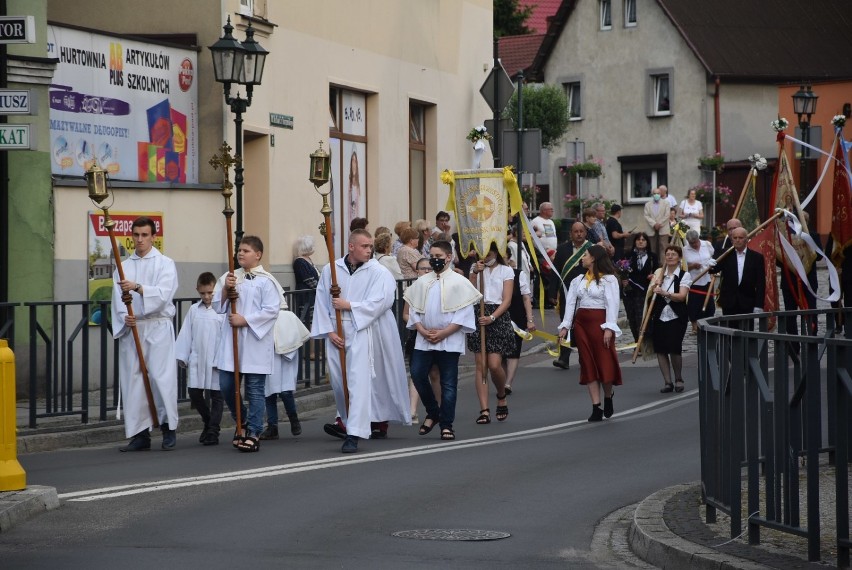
(545, 229)
(665, 196)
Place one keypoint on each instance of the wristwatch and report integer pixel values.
(136, 289)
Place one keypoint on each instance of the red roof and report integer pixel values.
(517, 52)
(542, 10)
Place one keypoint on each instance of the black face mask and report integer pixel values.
(437, 264)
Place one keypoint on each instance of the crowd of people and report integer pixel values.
(242, 331)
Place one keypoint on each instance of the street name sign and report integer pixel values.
(15, 137)
(16, 102)
(17, 30)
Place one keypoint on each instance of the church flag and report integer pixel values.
(841, 209)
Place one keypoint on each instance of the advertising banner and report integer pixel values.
(100, 262)
(128, 105)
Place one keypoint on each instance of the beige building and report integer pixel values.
(381, 82)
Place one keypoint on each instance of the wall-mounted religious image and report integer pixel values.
(354, 181)
(334, 180)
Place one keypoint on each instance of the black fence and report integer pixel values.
(775, 408)
(71, 357)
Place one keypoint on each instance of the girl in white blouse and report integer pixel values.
(499, 281)
(591, 311)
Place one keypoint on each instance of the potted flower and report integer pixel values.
(710, 162)
(574, 205)
(704, 194)
(588, 168)
(527, 194)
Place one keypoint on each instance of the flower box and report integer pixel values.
(712, 162)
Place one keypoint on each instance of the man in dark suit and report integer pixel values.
(567, 261)
(743, 288)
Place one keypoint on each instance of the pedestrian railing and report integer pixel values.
(70, 360)
(773, 407)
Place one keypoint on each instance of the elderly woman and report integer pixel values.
(691, 211)
(382, 246)
(304, 269)
(697, 254)
(591, 312)
(409, 254)
(668, 317)
(424, 232)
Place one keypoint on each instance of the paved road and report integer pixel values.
(545, 476)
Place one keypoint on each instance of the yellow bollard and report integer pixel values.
(12, 475)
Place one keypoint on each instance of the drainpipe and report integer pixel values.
(717, 122)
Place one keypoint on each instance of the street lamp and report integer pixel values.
(804, 105)
(241, 63)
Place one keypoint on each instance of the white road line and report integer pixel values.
(286, 469)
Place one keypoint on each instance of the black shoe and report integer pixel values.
(597, 413)
(169, 438)
(350, 444)
(560, 364)
(139, 442)
(211, 439)
(204, 433)
(271, 432)
(295, 424)
(608, 409)
(334, 430)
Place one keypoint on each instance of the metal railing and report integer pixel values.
(70, 355)
(769, 401)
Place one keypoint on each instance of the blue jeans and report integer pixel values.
(448, 366)
(272, 406)
(253, 385)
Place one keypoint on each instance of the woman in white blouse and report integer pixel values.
(697, 253)
(591, 311)
(691, 211)
(499, 282)
(669, 317)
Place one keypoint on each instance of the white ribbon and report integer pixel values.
(541, 247)
(478, 151)
(796, 228)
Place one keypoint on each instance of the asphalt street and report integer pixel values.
(545, 476)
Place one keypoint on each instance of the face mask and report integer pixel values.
(656, 197)
(437, 264)
(491, 262)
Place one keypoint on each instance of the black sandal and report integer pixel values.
(447, 434)
(238, 439)
(249, 444)
(424, 429)
(679, 385)
(668, 389)
(484, 417)
(502, 411)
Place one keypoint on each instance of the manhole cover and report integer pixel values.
(451, 534)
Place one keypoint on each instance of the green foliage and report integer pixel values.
(510, 19)
(545, 108)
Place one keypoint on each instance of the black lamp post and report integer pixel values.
(804, 105)
(241, 63)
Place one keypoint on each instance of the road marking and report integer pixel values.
(276, 470)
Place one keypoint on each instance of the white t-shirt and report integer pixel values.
(548, 232)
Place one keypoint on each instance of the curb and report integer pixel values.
(18, 506)
(651, 539)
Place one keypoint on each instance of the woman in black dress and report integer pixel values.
(643, 263)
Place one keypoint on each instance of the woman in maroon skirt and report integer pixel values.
(591, 310)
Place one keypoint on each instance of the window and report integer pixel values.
(629, 13)
(247, 7)
(348, 146)
(417, 160)
(575, 101)
(640, 174)
(660, 96)
(606, 14)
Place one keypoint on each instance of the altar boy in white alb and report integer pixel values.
(151, 279)
(375, 369)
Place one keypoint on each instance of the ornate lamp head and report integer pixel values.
(320, 167)
(98, 185)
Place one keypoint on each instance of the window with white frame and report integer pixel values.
(629, 13)
(606, 14)
(660, 93)
(575, 101)
(247, 7)
(641, 174)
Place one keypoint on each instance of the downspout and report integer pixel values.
(717, 122)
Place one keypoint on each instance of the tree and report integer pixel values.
(510, 19)
(545, 108)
